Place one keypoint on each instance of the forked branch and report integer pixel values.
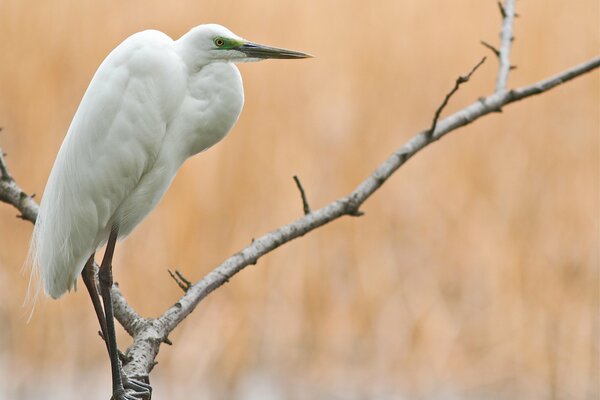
(148, 334)
(350, 203)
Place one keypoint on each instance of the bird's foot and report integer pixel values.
(138, 384)
(134, 388)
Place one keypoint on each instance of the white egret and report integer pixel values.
(153, 103)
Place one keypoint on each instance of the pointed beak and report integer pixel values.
(255, 50)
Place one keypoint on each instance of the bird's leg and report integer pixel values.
(90, 283)
(106, 283)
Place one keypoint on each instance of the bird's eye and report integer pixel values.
(219, 42)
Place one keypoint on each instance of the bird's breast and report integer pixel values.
(212, 107)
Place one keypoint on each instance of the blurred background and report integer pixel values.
(473, 274)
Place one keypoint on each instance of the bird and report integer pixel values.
(153, 103)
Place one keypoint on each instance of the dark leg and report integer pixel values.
(90, 283)
(106, 282)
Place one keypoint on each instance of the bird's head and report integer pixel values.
(215, 43)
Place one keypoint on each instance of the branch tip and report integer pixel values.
(181, 280)
(305, 205)
(356, 213)
(502, 10)
(490, 47)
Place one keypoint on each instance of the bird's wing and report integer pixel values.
(113, 140)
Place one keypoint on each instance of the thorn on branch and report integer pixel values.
(459, 81)
(356, 213)
(492, 48)
(512, 67)
(305, 206)
(352, 207)
(125, 359)
(152, 366)
(181, 280)
(166, 340)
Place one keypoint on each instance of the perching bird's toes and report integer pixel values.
(124, 395)
(141, 389)
(127, 396)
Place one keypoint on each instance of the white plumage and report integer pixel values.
(153, 103)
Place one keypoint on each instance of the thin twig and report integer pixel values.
(492, 48)
(459, 81)
(181, 280)
(305, 206)
(502, 10)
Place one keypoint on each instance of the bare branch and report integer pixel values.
(12, 194)
(506, 39)
(459, 81)
(349, 204)
(124, 313)
(305, 206)
(148, 334)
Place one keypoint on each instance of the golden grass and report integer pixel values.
(474, 272)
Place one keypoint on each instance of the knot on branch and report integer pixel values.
(351, 207)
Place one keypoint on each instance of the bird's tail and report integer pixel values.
(34, 286)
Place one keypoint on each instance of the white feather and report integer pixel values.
(152, 103)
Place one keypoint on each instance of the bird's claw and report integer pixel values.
(131, 396)
(134, 388)
(139, 387)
